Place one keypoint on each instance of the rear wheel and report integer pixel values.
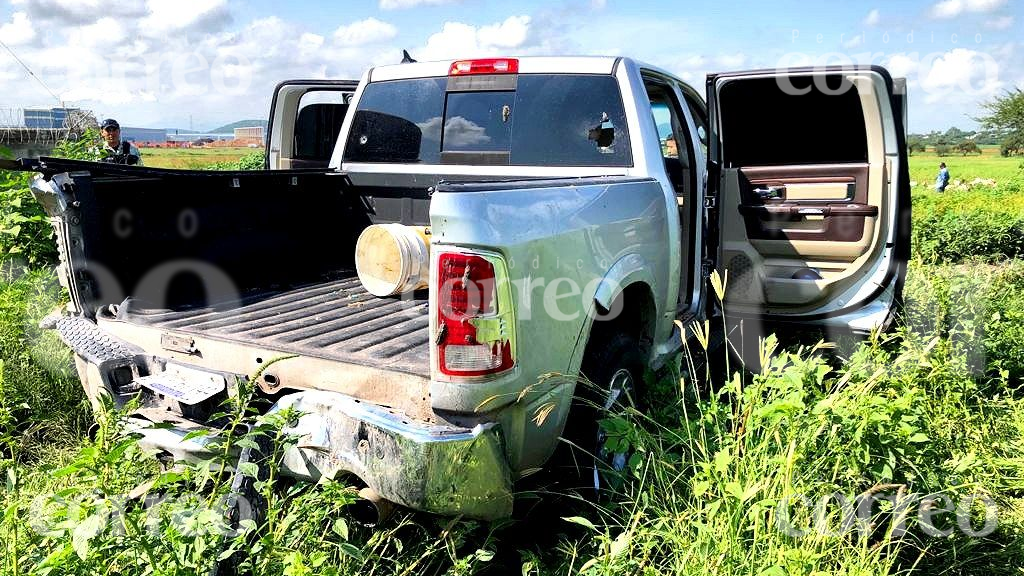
(612, 374)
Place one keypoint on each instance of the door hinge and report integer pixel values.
(707, 266)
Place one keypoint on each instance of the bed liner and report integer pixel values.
(334, 320)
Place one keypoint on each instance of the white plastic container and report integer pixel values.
(393, 258)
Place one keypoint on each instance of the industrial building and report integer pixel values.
(177, 136)
(153, 135)
(46, 118)
(250, 134)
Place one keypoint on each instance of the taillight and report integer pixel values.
(484, 66)
(474, 332)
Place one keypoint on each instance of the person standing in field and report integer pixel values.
(942, 180)
(115, 150)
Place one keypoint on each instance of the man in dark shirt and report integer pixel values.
(115, 150)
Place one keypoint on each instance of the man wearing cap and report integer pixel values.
(115, 150)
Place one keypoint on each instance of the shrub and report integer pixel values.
(719, 489)
(915, 144)
(981, 222)
(968, 147)
(980, 305)
(40, 388)
(1012, 146)
(25, 232)
(251, 161)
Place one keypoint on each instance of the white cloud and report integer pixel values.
(694, 61)
(366, 31)
(1000, 23)
(18, 31)
(508, 34)
(310, 43)
(958, 73)
(179, 15)
(693, 68)
(459, 131)
(947, 9)
(403, 4)
(901, 65)
(104, 32)
(854, 42)
(79, 12)
(731, 61)
(458, 40)
(954, 8)
(872, 18)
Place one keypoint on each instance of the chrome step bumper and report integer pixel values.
(440, 469)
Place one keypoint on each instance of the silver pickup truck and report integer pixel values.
(576, 208)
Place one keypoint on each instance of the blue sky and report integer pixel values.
(160, 62)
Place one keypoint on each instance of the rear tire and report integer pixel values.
(612, 378)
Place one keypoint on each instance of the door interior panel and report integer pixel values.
(778, 203)
(798, 231)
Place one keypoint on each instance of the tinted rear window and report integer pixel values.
(544, 120)
(478, 122)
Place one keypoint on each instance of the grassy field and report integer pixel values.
(191, 158)
(924, 166)
(925, 424)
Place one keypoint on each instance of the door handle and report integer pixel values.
(770, 192)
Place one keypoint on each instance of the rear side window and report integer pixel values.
(535, 120)
(398, 121)
(765, 125)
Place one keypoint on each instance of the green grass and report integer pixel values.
(191, 158)
(980, 215)
(989, 165)
(39, 382)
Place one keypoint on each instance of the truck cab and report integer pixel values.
(576, 208)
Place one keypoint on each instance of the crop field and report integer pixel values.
(921, 429)
(191, 158)
(987, 165)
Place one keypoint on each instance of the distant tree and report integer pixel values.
(989, 137)
(943, 150)
(955, 134)
(915, 144)
(1006, 113)
(1011, 146)
(968, 147)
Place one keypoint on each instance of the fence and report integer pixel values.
(13, 129)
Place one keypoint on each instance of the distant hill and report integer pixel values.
(230, 128)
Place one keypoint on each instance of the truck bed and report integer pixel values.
(334, 320)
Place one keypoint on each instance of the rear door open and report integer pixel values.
(305, 120)
(813, 195)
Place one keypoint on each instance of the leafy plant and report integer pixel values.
(25, 231)
(251, 161)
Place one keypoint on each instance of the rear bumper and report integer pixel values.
(442, 469)
(439, 469)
